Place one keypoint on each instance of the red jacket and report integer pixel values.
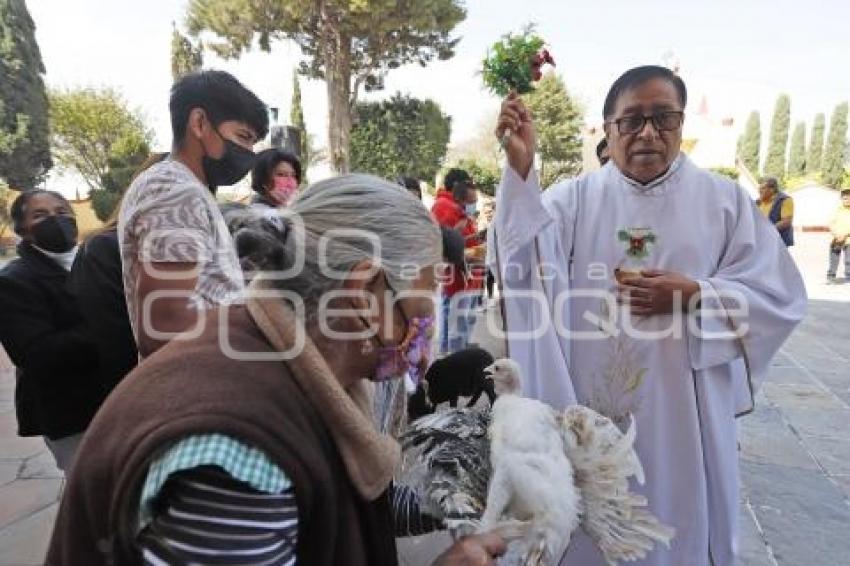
(448, 213)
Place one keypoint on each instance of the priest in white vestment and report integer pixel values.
(649, 288)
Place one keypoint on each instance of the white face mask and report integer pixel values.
(64, 259)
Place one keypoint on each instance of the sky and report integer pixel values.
(738, 54)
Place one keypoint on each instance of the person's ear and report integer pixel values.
(197, 123)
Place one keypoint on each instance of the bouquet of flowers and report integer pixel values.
(515, 62)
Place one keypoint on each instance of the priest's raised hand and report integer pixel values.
(515, 131)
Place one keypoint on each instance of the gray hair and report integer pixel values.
(334, 225)
(771, 182)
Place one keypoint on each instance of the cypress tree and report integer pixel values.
(296, 119)
(774, 165)
(814, 159)
(24, 141)
(797, 155)
(750, 144)
(834, 154)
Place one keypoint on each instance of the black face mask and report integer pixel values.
(56, 234)
(228, 169)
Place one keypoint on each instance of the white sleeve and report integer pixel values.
(520, 214)
(757, 290)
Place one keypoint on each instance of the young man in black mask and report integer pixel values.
(177, 255)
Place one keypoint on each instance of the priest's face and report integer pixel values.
(645, 132)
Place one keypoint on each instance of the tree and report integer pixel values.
(815, 157)
(835, 152)
(797, 155)
(400, 136)
(774, 165)
(24, 145)
(5, 214)
(296, 119)
(96, 135)
(485, 174)
(346, 43)
(558, 122)
(750, 148)
(185, 56)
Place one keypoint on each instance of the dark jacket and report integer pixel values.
(96, 282)
(258, 403)
(775, 215)
(57, 392)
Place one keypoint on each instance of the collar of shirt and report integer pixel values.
(658, 181)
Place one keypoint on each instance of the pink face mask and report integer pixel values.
(284, 190)
(408, 357)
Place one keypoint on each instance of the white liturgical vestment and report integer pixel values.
(684, 376)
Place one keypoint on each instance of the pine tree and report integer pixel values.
(296, 119)
(814, 159)
(750, 145)
(797, 155)
(351, 44)
(558, 120)
(774, 165)
(836, 143)
(185, 57)
(24, 141)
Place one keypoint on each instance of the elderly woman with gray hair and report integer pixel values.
(250, 440)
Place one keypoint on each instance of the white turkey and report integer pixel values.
(533, 473)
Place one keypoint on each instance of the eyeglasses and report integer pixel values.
(662, 121)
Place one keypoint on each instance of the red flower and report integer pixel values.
(636, 244)
(539, 59)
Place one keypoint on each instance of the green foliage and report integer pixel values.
(730, 172)
(24, 141)
(96, 135)
(485, 175)
(750, 144)
(793, 183)
(296, 119)
(185, 56)
(6, 198)
(814, 158)
(400, 136)
(508, 63)
(378, 35)
(797, 153)
(774, 165)
(835, 152)
(558, 122)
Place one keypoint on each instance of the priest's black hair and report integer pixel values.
(633, 78)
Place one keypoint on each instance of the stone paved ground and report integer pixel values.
(795, 450)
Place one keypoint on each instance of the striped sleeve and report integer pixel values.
(205, 516)
(408, 518)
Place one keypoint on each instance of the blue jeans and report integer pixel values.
(458, 317)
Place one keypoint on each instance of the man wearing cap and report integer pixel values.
(456, 208)
(839, 228)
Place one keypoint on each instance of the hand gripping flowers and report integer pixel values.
(514, 64)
